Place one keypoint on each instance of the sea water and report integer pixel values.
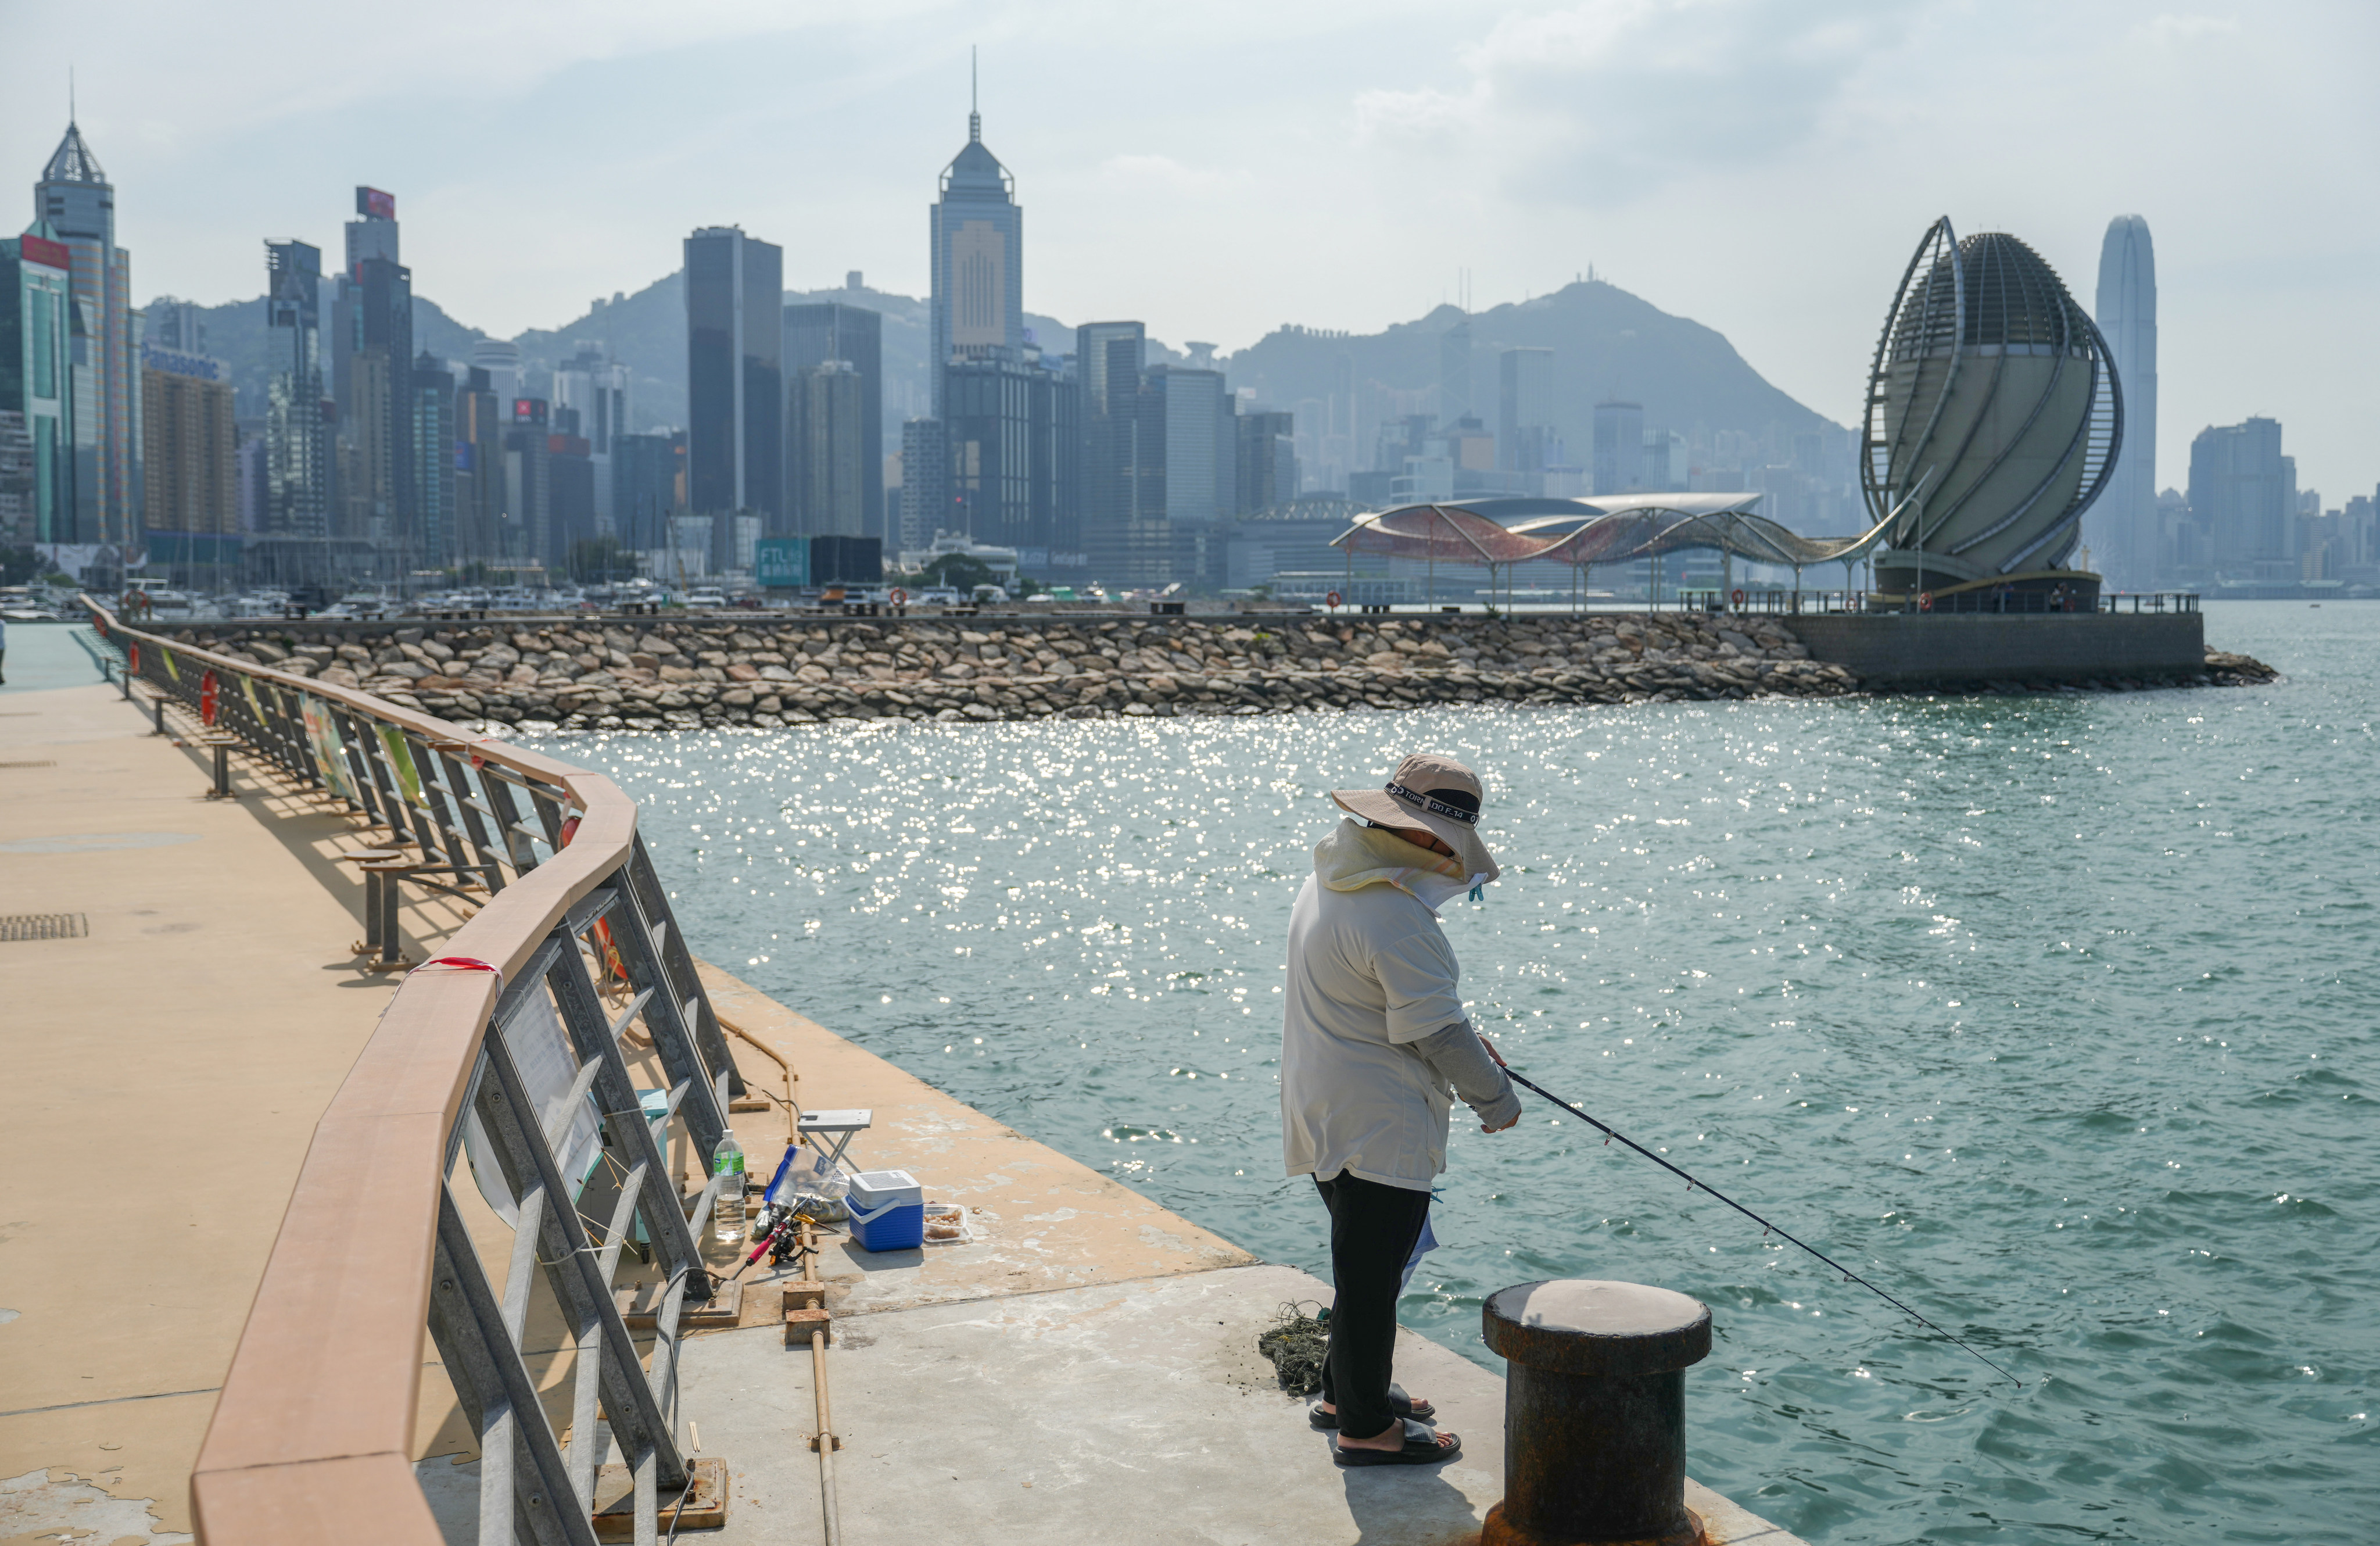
(2054, 1016)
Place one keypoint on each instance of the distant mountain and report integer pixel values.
(1607, 343)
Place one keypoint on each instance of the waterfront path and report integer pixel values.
(1086, 1367)
(165, 1072)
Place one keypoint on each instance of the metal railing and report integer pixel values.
(1783, 603)
(312, 1437)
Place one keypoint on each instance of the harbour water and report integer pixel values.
(2053, 1015)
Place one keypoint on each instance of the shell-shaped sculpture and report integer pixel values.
(1993, 416)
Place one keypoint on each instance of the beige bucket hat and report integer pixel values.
(1432, 792)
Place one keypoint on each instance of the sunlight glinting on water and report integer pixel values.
(2048, 1013)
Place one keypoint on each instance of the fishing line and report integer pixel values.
(1848, 1276)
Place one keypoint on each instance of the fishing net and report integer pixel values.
(1296, 1345)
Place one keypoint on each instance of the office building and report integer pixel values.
(1123, 470)
(501, 362)
(736, 399)
(595, 386)
(433, 442)
(818, 334)
(482, 414)
(373, 232)
(1618, 447)
(296, 435)
(37, 403)
(178, 325)
(976, 232)
(2243, 498)
(825, 446)
(570, 496)
(647, 475)
(1267, 462)
(1201, 446)
(371, 382)
(1454, 371)
(75, 207)
(925, 483)
(528, 536)
(1012, 449)
(2126, 545)
(190, 463)
(1526, 440)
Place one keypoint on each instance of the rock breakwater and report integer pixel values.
(633, 674)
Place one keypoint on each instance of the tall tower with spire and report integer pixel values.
(978, 231)
(2124, 523)
(74, 205)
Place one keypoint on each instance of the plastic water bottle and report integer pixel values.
(727, 1212)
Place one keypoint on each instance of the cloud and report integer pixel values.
(1599, 102)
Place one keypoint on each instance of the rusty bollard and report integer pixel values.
(1594, 1413)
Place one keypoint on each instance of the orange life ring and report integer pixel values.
(1736, 596)
(208, 700)
(1925, 601)
(900, 597)
(1332, 601)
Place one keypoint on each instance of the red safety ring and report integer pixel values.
(1332, 601)
(1736, 596)
(1925, 601)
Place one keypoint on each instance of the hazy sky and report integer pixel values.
(1763, 166)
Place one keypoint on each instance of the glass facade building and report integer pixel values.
(820, 333)
(735, 304)
(977, 250)
(75, 207)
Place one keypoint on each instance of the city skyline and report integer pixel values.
(1222, 213)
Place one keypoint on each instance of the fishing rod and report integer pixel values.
(1848, 1276)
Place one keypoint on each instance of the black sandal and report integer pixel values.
(1421, 1448)
(1399, 1405)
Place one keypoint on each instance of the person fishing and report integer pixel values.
(1375, 1049)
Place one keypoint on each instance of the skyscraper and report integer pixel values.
(924, 482)
(1454, 371)
(433, 443)
(1618, 447)
(825, 442)
(372, 355)
(74, 205)
(2125, 519)
(481, 417)
(296, 442)
(1525, 409)
(978, 231)
(818, 334)
(734, 323)
(37, 404)
(1110, 359)
(190, 478)
(595, 386)
(2243, 496)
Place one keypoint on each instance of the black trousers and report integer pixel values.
(1373, 1229)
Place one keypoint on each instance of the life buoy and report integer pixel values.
(209, 690)
(1736, 596)
(900, 597)
(134, 651)
(1332, 601)
(1925, 601)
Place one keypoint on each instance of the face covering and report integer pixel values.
(1356, 855)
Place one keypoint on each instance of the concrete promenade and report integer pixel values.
(1085, 1368)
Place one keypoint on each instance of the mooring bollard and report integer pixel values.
(1594, 1413)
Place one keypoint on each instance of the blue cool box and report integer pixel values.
(888, 1210)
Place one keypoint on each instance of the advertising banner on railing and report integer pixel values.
(330, 752)
(172, 671)
(400, 762)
